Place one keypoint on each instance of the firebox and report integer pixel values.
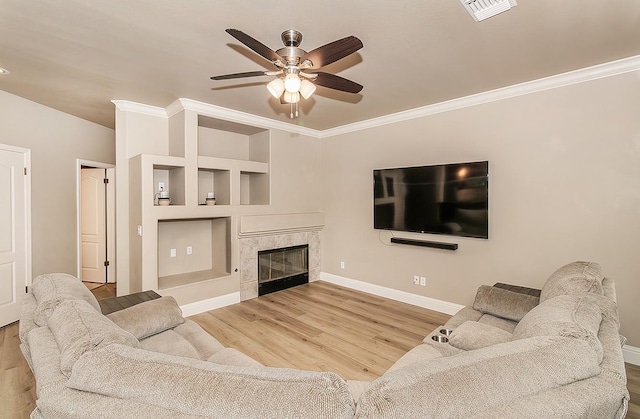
(282, 268)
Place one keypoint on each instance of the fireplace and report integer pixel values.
(282, 268)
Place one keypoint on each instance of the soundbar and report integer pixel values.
(424, 243)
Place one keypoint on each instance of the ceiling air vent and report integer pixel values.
(484, 9)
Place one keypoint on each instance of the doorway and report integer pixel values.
(96, 223)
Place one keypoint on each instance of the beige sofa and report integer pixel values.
(509, 355)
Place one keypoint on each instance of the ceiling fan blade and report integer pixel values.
(256, 45)
(240, 75)
(332, 52)
(336, 82)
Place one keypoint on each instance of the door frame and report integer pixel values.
(111, 218)
(27, 163)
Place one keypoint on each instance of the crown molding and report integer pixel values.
(613, 68)
(128, 106)
(232, 115)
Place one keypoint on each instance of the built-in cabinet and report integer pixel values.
(186, 240)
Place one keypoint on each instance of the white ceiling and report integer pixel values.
(78, 55)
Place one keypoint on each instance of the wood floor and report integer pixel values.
(322, 327)
(318, 326)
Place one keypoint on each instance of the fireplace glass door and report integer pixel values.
(282, 268)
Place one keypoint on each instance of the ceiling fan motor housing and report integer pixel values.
(291, 38)
(291, 54)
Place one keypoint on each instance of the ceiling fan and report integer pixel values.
(295, 68)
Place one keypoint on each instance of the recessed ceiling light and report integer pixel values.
(4, 71)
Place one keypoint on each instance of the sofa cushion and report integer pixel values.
(193, 387)
(575, 316)
(465, 384)
(419, 353)
(573, 278)
(149, 318)
(231, 356)
(78, 328)
(170, 343)
(504, 303)
(499, 322)
(204, 344)
(473, 335)
(52, 289)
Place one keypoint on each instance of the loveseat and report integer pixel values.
(508, 355)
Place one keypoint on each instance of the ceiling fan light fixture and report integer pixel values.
(276, 87)
(292, 83)
(307, 88)
(291, 97)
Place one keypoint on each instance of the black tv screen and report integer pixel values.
(442, 199)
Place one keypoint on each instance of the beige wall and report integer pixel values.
(564, 186)
(295, 171)
(56, 140)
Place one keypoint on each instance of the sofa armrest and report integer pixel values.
(149, 318)
(504, 303)
(470, 336)
(466, 314)
(45, 361)
(27, 316)
(609, 288)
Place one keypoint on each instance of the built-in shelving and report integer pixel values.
(173, 179)
(207, 239)
(204, 156)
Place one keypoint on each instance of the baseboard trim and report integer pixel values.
(631, 354)
(210, 304)
(402, 296)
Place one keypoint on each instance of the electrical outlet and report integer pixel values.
(341, 265)
(172, 253)
(423, 281)
(416, 279)
(189, 250)
(161, 186)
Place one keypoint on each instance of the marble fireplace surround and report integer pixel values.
(266, 232)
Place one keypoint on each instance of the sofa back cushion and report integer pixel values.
(204, 389)
(78, 328)
(573, 278)
(575, 316)
(503, 303)
(52, 289)
(469, 383)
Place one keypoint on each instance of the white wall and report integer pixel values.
(56, 140)
(564, 186)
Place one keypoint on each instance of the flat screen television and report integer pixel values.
(448, 199)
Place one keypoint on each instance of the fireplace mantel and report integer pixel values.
(261, 225)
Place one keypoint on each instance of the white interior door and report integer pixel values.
(14, 231)
(93, 225)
